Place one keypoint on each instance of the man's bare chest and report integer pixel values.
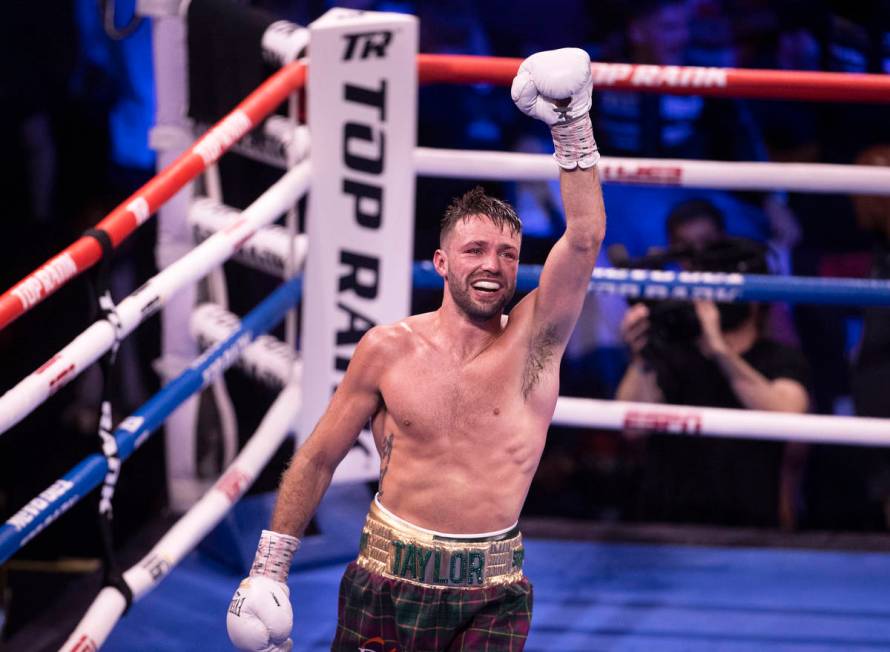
(427, 395)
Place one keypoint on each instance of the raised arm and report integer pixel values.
(566, 274)
(555, 87)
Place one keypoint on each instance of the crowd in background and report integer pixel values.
(77, 106)
(597, 475)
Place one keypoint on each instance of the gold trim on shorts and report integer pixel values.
(397, 551)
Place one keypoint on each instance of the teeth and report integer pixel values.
(486, 285)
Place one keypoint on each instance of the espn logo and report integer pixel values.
(689, 423)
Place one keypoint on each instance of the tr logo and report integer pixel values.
(366, 44)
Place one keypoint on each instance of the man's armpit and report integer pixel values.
(541, 352)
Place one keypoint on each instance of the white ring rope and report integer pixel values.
(266, 359)
(796, 177)
(721, 422)
(95, 626)
(278, 144)
(268, 250)
(209, 321)
(87, 347)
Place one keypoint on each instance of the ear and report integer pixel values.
(440, 262)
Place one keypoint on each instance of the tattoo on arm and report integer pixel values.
(385, 454)
(543, 344)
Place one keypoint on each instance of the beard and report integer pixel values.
(478, 310)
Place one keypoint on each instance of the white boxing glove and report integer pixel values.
(555, 86)
(260, 617)
(554, 75)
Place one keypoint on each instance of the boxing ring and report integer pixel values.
(615, 596)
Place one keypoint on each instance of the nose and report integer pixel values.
(491, 262)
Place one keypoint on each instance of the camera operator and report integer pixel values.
(700, 354)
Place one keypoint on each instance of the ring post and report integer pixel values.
(362, 94)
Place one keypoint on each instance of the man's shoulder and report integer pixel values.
(395, 338)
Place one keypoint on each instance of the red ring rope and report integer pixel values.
(123, 220)
(678, 80)
(432, 68)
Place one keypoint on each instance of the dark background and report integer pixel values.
(76, 105)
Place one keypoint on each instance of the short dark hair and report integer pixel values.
(691, 211)
(476, 202)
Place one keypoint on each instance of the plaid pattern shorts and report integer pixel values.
(416, 590)
(384, 614)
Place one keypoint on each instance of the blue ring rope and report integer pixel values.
(135, 429)
(646, 284)
(660, 284)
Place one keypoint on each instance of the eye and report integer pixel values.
(474, 250)
(509, 255)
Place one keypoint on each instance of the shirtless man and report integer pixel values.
(459, 401)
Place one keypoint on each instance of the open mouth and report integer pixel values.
(486, 287)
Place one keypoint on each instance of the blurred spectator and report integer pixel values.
(754, 26)
(710, 35)
(873, 216)
(851, 39)
(531, 30)
(794, 36)
(670, 126)
(848, 487)
(790, 129)
(695, 224)
(455, 116)
(871, 367)
(701, 223)
(704, 355)
(459, 116)
(856, 40)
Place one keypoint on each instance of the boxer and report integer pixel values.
(459, 400)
